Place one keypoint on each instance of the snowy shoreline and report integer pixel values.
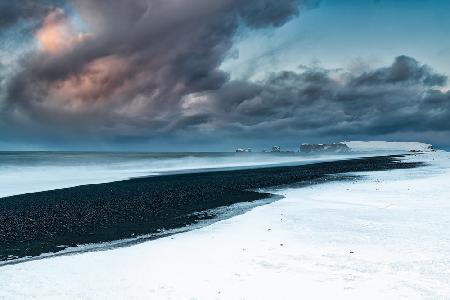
(383, 237)
(32, 225)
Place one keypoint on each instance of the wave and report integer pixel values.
(29, 172)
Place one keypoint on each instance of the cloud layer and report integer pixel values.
(146, 69)
(401, 97)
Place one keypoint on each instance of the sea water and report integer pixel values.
(28, 172)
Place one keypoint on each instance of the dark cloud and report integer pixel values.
(149, 69)
(260, 13)
(136, 62)
(317, 102)
(405, 70)
(12, 12)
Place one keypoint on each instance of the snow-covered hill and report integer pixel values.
(386, 146)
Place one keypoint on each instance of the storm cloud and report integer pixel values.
(143, 69)
(12, 12)
(403, 97)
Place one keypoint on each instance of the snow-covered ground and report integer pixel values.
(383, 237)
(370, 146)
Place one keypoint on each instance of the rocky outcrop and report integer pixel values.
(334, 147)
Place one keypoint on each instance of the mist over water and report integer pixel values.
(28, 172)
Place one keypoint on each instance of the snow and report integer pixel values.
(382, 237)
(382, 145)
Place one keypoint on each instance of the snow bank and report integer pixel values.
(384, 237)
(387, 146)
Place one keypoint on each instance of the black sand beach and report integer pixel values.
(33, 224)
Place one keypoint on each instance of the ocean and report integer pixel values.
(29, 172)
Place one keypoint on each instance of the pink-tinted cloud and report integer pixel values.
(57, 34)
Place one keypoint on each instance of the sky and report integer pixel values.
(201, 75)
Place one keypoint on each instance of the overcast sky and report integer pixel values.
(186, 75)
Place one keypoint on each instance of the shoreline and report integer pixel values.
(379, 237)
(50, 171)
(51, 221)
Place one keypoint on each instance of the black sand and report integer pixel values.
(37, 223)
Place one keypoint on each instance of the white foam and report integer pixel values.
(63, 171)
